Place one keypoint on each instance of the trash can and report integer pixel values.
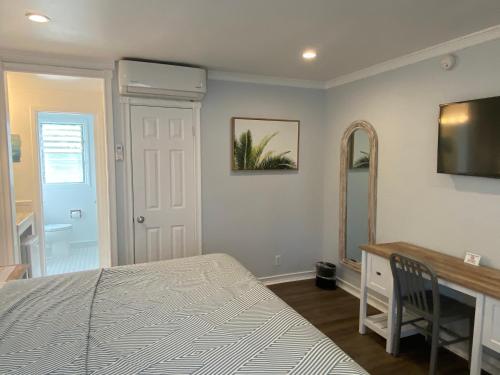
(326, 275)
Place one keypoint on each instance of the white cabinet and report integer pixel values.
(379, 275)
(491, 325)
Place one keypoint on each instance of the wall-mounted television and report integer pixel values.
(469, 138)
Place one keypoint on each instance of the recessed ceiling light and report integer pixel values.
(309, 54)
(35, 17)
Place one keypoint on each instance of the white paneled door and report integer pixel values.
(164, 183)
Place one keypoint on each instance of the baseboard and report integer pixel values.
(356, 292)
(288, 277)
(305, 275)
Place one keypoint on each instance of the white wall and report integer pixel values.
(255, 216)
(452, 214)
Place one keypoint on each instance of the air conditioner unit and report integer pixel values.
(137, 78)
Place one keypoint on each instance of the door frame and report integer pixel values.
(105, 173)
(128, 198)
(9, 246)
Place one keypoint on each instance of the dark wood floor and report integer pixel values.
(336, 313)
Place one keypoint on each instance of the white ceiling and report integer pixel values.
(246, 36)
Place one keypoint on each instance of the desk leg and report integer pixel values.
(363, 296)
(391, 308)
(477, 341)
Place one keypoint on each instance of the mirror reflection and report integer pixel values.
(357, 194)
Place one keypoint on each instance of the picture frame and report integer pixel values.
(15, 141)
(263, 144)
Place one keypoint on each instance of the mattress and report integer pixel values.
(198, 315)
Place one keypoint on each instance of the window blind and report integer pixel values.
(63, 153)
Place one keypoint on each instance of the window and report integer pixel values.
(62, 149)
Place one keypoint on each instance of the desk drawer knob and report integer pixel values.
(378, 273)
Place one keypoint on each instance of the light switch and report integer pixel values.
(119, 152)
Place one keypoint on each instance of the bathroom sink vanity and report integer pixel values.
(25, 223)
(28, 242)
(13, 272)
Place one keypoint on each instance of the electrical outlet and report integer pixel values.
(277, 260)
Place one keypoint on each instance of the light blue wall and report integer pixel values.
(255, 216)
(452, 214)
(59, 199)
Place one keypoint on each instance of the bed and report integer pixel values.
(200, 315)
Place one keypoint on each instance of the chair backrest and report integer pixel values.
(412, 279)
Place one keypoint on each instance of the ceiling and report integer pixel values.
(264, 37)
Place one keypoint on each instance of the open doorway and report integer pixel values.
(69, 203)
(57, 129)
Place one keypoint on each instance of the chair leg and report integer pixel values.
(428, 334)
(397, 331)
(471, 335)
(434, 349)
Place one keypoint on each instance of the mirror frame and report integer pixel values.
(372, 189)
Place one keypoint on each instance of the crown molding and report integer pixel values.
(482, 36)
(444, 48)
(219, 75)
(48, 59)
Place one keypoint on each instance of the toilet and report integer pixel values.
(57, 239)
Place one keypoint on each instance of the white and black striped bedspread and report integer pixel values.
(199, 315)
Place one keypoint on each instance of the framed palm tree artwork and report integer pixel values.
(264, 144)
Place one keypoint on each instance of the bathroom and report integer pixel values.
(55, 124)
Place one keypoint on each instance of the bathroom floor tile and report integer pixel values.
(79, 259)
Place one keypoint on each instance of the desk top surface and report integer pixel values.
(481, 279)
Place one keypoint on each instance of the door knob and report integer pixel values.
(140, 219)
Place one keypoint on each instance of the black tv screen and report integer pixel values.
(469, 138)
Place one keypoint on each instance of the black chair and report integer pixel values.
(416, 290)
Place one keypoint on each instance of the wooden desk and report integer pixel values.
(482, 283)
(13, 272)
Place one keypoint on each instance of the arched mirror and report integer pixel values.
(358, 192)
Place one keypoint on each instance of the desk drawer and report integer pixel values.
(491, 325)
(379, 275)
